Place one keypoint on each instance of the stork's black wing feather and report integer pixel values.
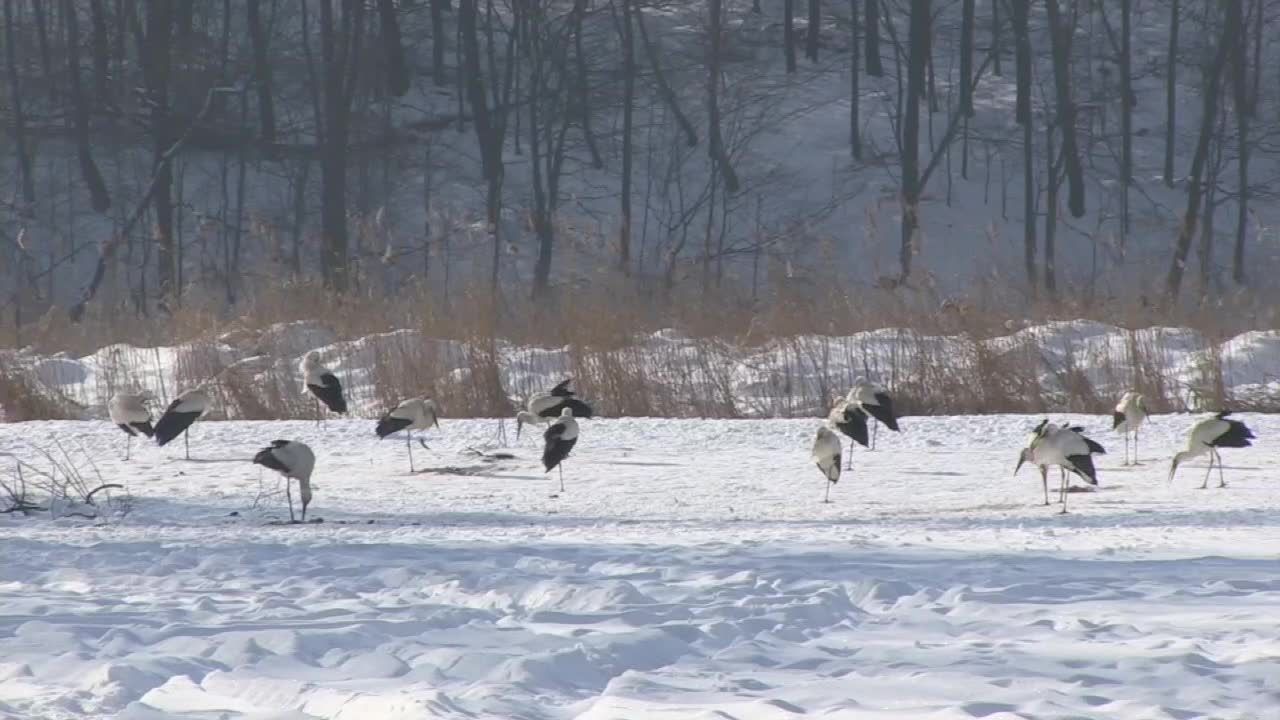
(579, 408)
(1094, 447)
(556, 450)
(144, 428)
(330, 393)
(388, 425)
(1116, 419)
(172, 424)
(854, 425)
(267, 458)
(1238, 435)
(562, 388)
(1082, 465)
(883, 411)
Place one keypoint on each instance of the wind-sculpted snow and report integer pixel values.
(689, 572)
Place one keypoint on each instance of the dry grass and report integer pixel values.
(795, 345)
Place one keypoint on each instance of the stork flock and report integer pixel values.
(857, 416)
(1048, 444)
(296, 461)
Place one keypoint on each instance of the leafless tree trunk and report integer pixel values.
(814, 29)
(1126, 118)
(966, 57)
(719, 157)
(628, 110)
(917, 49)
(101, 54)
(26, 178)
(789, 33)
(339, 63)
(875, 68)
(397, 70)
(261, 72)
(1022, 52)
(99, 199)
(1195, 191)
(156, 53)
(1243, 107)
(855, 141)
(1051, 216)
(438, 42)
(1060, 39)
(996, 49)
(1171, 94)
(583, 100)
(659, 78)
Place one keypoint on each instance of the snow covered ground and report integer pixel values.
(689, 572)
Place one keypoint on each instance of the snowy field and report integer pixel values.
(689, 572)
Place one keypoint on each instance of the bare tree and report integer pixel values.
(261, 72)
(155, 49)
(789, 33)
(393, 49)
(1060, 39)
(917, 49)
(875, 68)
(855, 100)
(1195, 190)
(628, 112)
(98, 196)
(715, 145)
(25, 175)
(1171, 93)
(1243, 109)
(814, 29)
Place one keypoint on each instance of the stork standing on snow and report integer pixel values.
(292, 460)
(875, 402)
(129, 412)
(560, 439)
(189, 406)
(414, 414)
(849, 419)
(322, 383)
(544, 407)
(1066, 447)
(1206, 437)
(1128, 417)
(826, 454)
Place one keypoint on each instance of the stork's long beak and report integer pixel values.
(1022, 458)
(435, 420)
(1173, 469)
(519, 427)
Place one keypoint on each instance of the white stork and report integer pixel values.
(185, 409)
(129, 412)
(1066, 447)
(849, 419)
(826, 454)
(414, 414)
(551, 404)
(322, 383)
(1128, 417)
(292, 460)
(524, 417)
(1206, 437)
(875, 402)
(560, 439)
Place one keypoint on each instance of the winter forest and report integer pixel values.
(504, 159)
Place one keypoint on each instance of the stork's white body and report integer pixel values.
(128, 411)
(1129, 415)
(292, 460)
(1065, 448)
(417, 413)
(826, 455)
(1206, 437)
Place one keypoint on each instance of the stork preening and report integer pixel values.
(875, 402)
(826, 454)
(129, 412)
(292, 460)
(323, 384)
(849, 419)
(1128, 417)
(1066, 447)
(413, 414)
(189, 406)
(524, 417)
(1206, 437)
(551, 404)
(560, 439)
